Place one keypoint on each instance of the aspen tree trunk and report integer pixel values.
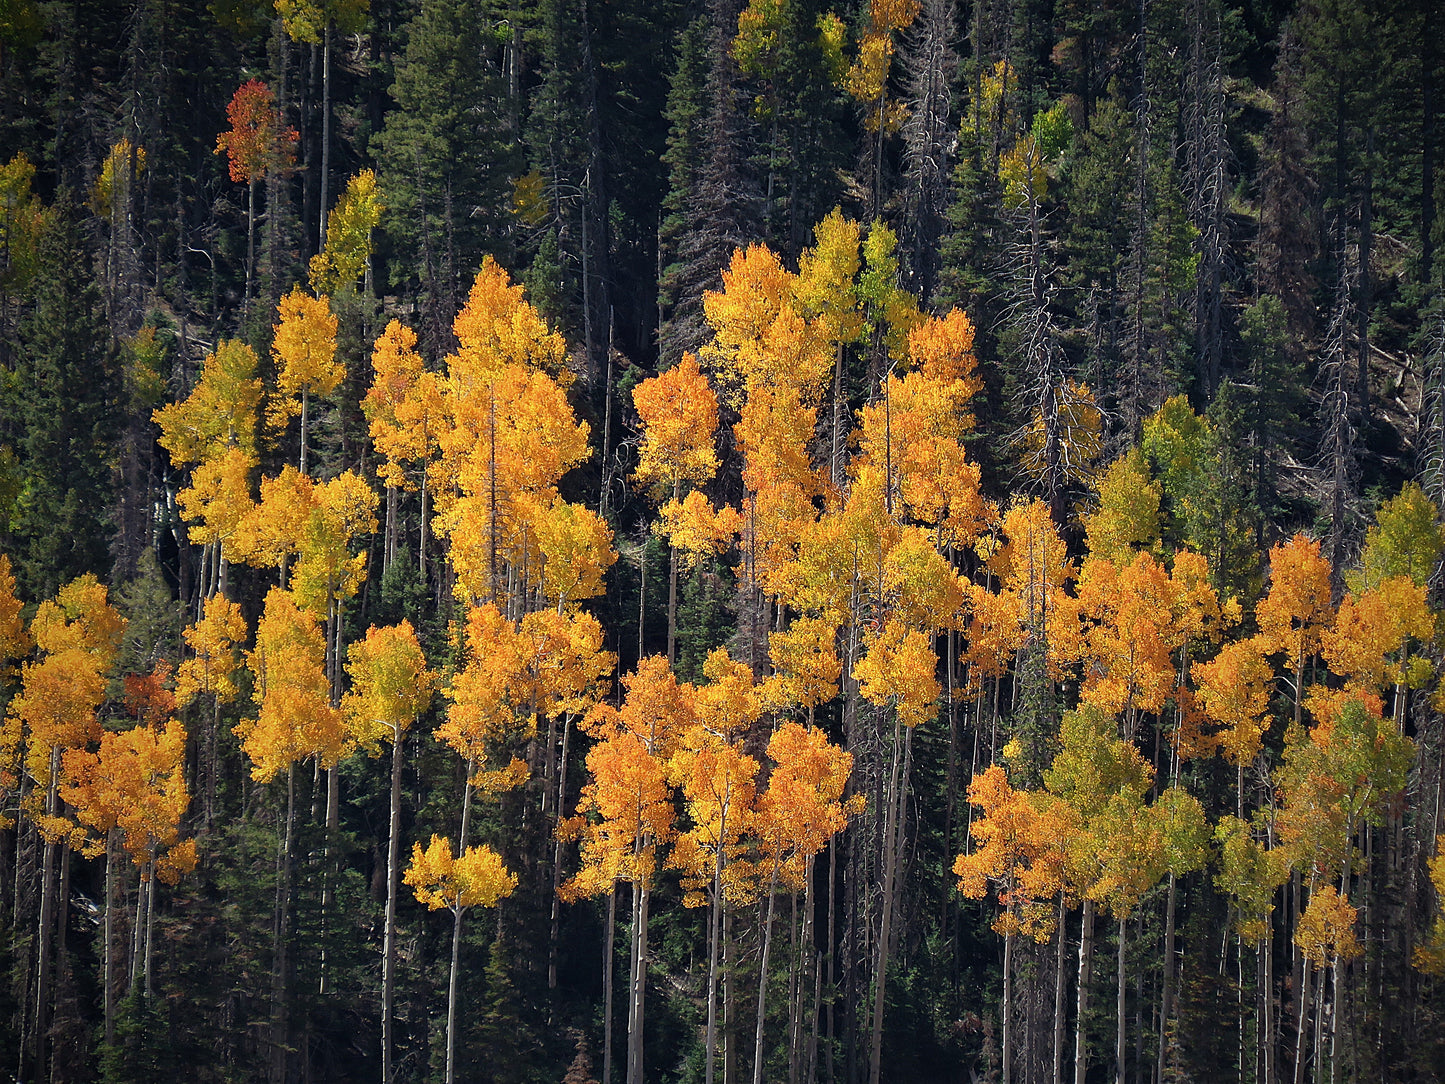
(1303, 1028)
(891, 840)
(137, 936)
(149, 884)
(250, 244)
(730, 1052)
(1336, 996)
(325, 137)
(393, 865)
(1058, 1074)
(672, 591)
(807, 959)
(1007, 1013)
(47, 918)
(1268, 1030)
(1165, 1005)
(830, 1029)
(109, 938)
(305, 416)
(282, 928)
(607, 986)
(763, 978)
(421, 538)
(554, 933)
(1119, 1052)
(457, 932)
(1086, 951)
(714, 932)
(640, 899)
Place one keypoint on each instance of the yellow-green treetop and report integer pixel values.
(478, 878)
(390, 685)
(304, 349)
(219, 413)
(213, 641)
(348, 236)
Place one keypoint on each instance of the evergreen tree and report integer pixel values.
(61, 419)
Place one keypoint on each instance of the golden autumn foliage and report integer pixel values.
(476, 878)
(1018, 848)
(1326, 931)
(898, 670)
(404, 406)
(1234, 688)
(134, 783)
(1295, 613)
(295, 718)
(625, 811)
(491, 701)
(304, 349)
(803, 806)
(679, 422)
(219, 413)
(213, 641)
(390, 685)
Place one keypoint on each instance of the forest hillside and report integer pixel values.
(625, 541)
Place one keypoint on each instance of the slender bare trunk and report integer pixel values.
(325, 137)
(1086, 952)
(1119, 1051)
(1058, 1074)
(763, 979)
(393, 868)
(607, 986)
(457, 913)
(890, 859)
(1166, 998)
(1008, 1007)
(640, 899)
(109, 938)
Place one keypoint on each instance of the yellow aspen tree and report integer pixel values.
(1295, 613)
(509, 437)
(219, 413)
(1129, 637)
(405, 411)
(1018, 850)
(209, 672)
(678, 411)
(134, 787)
(214, 430)
(717, 783)
(15, 644)
(390, 687)
(78, 634)
(304, 349)
(477, 877)
(794, 818)
(626, 814)
(346, 256)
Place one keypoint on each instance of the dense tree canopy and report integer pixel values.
(715, 541)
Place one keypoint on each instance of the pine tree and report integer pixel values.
(61, 419)
(447, 155)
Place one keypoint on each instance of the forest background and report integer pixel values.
(872, 541)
